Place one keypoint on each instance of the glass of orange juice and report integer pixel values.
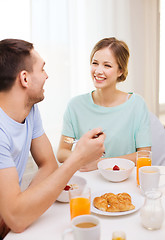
(143, 158)
(80, 201)
(118, 235)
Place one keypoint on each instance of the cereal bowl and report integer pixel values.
(108, 168)
(74, 183)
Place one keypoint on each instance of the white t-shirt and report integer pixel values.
(15, 139)
(127, 126)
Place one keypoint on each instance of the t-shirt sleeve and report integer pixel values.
(143, 135)
(67, 129)
(38, 127)
(6, 159)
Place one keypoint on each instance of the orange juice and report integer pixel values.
(118, 235)
(142, 161)
(118, 238)
(79, 206)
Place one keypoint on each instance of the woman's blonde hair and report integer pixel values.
(120, 51)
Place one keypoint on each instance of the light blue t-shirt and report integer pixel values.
(127, 126)
(15, 139)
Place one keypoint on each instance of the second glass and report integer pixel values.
(118, 235)
(143, 158)
(79, 201)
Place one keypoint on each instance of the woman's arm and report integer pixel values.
(132, 156)
(64, 150)
(93, 165)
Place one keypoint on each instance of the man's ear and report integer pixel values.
(23, 76)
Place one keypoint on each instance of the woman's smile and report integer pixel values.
(99, 79)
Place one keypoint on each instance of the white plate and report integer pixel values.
(137, 201)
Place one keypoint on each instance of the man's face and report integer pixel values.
(37, 79)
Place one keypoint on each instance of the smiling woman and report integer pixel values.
(104, 68)
(124, 116)
(108, 67)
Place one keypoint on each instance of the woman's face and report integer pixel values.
(104, 69)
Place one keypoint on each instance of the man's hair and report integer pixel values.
(14, 57)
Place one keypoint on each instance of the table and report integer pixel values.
(57, 218)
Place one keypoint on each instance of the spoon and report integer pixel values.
(70, 140)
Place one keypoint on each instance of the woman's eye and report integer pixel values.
(94, 63)
(107, 66)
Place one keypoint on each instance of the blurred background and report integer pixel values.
(64, 33)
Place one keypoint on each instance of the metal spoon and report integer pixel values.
(70, 140)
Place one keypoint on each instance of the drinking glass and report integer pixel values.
(149, 178)
(143, 158)
(79, 201)
(118, 235)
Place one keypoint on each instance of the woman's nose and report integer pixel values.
(99, 69)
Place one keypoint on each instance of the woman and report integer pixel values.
(123, 116)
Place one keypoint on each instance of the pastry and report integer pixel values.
(111, 202)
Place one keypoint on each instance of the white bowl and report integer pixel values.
(116, 175)
(79, 181)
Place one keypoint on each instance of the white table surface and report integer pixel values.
(57, 218)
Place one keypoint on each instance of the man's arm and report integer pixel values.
(20, 209)
(43, 155)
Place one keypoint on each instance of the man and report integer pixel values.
(22, 77)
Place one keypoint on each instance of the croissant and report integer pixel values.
(100, 203)
(111, 202)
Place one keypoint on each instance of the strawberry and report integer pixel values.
(67, 188)
(116, 168)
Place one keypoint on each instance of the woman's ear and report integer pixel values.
(23, 76)
(120, 72)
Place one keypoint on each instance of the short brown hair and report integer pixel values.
(14, 57)
(120, 51)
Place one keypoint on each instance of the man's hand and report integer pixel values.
(90, 166)
(89, 148)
